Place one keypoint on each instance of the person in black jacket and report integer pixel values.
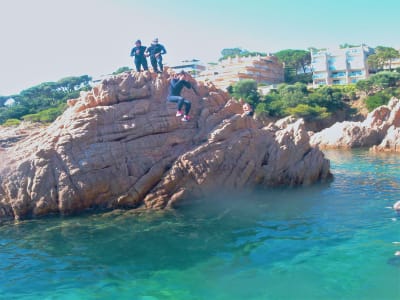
(178, 82)
(140, 58)
(155, 51)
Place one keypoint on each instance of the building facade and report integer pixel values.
(194, 67)
(340, 66)
(263, 69)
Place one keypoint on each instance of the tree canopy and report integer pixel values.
(292, 99)
(40, 98)
(296, 65)
(233, 52)
(300, 60)
(383, 57)
(246, 90)
(378, 81)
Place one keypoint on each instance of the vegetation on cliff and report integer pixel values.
(43, 102)
(379, 88)
(293, 99)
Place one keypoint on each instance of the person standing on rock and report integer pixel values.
(155, 51)
(139, 53)
(178, 82)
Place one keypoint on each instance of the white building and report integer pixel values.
(194, 67)
(265, 70)
(340, 66)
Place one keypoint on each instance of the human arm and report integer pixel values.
(163, 51)
(147, 51)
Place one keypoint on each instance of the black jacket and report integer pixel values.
(142, 50)
(177, 85)
(157, 48)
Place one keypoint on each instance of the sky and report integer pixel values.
(46, 40)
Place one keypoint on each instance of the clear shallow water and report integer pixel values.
(331, 241)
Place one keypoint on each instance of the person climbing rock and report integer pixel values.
(155, 51)
(248, 110)
(139, 53)
(178, 82)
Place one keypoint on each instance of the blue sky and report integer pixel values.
(45, 40)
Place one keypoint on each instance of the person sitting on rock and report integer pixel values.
(248, 110)
(155, 51)
(140, 59)
(178, 82)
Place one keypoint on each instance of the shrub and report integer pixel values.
(376, 100)
(11, 122)
(308, 112)
(248, 90)
(31, 118)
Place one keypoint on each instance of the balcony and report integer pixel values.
(338, 75)
(356, 73)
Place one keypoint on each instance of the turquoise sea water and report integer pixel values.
(328, 241)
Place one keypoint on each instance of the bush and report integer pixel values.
(376, 100)
(247, 90)
(31, 118)
(11, 122)
(308, 112)
(47, 115)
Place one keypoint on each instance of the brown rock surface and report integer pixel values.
(372, 131)
(391, 142)
(121, 146)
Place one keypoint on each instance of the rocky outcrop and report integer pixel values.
(121, 146)
(12, 134)
(391, 142)
(380, 126)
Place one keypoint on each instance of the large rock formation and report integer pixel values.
(380, 126)
(121, 146)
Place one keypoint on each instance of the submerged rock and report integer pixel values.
(380, 127)
(121, 146)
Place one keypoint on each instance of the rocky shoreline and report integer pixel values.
(121, 146)
(380, 131)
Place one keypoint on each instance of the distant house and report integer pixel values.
(340, 66)
(265, 70)
(194, 67)
(9, 102)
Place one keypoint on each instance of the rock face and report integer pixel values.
(380, 126)
(391, 142)
(121, 146)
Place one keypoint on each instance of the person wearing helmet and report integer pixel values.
(139, 53)
(155, 51)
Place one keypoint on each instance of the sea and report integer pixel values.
(334, 240)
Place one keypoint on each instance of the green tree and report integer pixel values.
(346, 45)
(376, 100)
(45, 96)
(385, 79)
(297, 100)
(122, 70)
(233, 52)
(365, 85)
(300, 60)
(308, 112)
(247, 90)
(383, 57)
(375, 62)
(379, 81)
